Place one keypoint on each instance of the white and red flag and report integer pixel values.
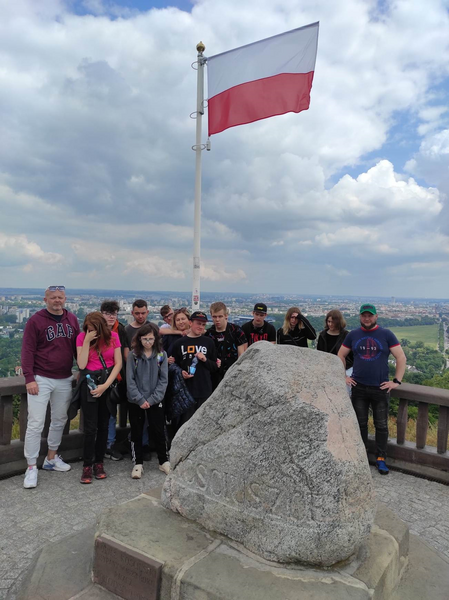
(267, 78)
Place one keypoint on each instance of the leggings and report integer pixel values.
(156, 428)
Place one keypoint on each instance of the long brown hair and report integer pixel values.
(337, 318)
(286, 326)
(98, 322)
(137, 345)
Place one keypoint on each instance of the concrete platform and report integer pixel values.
(200, 566)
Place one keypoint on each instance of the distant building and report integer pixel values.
(21, 314)
(125, 318)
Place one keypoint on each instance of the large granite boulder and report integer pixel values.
(275, 461)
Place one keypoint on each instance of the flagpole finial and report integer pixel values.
(200, 48)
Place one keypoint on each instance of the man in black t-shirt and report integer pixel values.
(258, 329)
(196, 345)
(230, 341)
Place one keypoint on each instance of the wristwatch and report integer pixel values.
(397, 381)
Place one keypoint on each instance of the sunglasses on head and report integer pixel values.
(56, 288)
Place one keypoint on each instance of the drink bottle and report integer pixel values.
(91, 383)
(192, 368)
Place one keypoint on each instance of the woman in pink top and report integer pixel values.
(96, 345)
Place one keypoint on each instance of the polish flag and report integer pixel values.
(267, 78)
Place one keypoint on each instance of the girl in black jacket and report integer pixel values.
(333, 335)
(296, 329)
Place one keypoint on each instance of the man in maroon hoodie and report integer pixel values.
(48, 349)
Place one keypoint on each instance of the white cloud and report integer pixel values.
(213, 272)
(96, 141)
(155, 266)
(338, 272)
(347, 236)
(16, 250)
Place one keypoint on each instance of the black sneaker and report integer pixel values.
(113, 454)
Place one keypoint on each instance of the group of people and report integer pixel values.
(148, 367)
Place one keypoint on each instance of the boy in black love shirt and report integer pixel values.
(196, 344)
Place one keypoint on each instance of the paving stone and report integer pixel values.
(420, 503)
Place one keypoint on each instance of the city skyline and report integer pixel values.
(100, 292)
(97, 181)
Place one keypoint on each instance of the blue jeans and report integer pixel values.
(111, 433)
(111, 430)
(362, 397)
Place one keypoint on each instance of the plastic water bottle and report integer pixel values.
(91, 383)
(192, 368)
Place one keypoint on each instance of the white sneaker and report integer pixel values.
(30, 480)
(165, 467)
(56, 464)
(137, 472)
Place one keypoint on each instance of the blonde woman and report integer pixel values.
(296, 329)
(181, 325)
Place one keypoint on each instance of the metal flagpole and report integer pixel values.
(198, 148)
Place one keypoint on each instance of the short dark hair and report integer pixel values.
(140, 304)
(165, 310)
(137, 345)
(110, 306)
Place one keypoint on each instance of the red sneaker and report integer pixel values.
(86, 477)
(99, 471)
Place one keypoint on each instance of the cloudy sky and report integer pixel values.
(97, 171)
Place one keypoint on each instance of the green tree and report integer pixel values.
(439, 381)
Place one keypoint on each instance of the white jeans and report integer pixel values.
(58, 392)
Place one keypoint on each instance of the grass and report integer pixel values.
(420, 333)
(410, 432)
(15, 435)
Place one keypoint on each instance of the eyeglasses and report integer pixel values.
(169, 316)
(109, 314)
(56, 288)
(294, 316)
(147, 340)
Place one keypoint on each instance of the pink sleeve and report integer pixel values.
(115, 340)
(80, 339)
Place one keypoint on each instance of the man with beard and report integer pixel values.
(371, 346)
(140, 313)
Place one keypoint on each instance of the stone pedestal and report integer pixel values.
(199, 565)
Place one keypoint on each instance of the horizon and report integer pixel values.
(136, 292)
